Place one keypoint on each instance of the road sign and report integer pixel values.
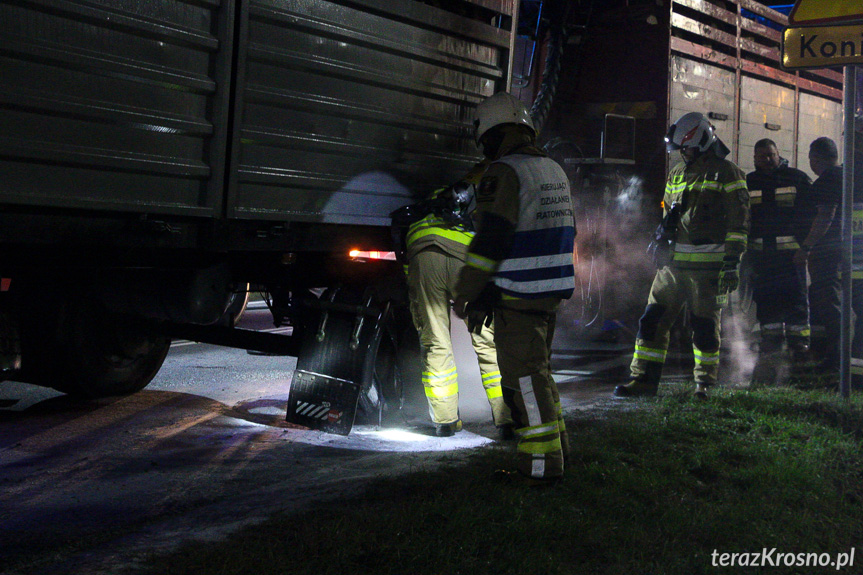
(810, 12)
(822, 46)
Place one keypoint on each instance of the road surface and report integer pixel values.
(90, 487)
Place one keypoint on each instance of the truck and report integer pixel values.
(618, 94)
(160, 159)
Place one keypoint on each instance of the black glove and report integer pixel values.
(661, 252)
(729, 276)
(480, 312)
(661, 248)
(476, 318)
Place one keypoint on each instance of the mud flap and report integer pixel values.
(335, 368)
(322, 402)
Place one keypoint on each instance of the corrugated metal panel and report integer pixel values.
(763, 103)
(818, 117)
(699, 87)
(349, 110)
(108, 104)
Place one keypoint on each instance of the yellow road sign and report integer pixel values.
(822, 46)
(808, 12)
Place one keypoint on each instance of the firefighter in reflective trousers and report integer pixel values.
(519, 266)
(711, 236)
(436, 250)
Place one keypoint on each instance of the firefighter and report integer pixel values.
(436, 249)
(778, 194)
(712, 230)
(519, 267)
(821, 251)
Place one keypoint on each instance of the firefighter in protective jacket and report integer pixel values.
(711, 236)
(436, 249)
(519, 267)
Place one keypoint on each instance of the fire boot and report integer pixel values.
(637, 388)
(802, 360)
(700, 390)
(507, 432)
(448, 429)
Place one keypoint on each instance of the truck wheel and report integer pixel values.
(83, 349)
(236, 308)
(383, 393)
(396, 365)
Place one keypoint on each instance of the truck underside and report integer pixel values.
(162, 159)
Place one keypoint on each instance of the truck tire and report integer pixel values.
(397, 365)
(81, 348)
(236, 308)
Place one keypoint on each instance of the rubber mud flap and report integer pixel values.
(322, 402)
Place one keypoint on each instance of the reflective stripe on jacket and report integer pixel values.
(432, 230)
(780, 214)
(540, 261)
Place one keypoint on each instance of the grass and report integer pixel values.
(652, 487)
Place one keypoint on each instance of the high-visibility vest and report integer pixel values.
(540, 262)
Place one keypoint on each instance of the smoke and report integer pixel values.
(616, 219)
(738, 353)
(613, 272)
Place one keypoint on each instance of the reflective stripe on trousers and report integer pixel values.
(523, 339)
(431, 282)
(672, 289)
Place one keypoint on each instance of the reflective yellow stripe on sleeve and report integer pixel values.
(483, 264)
(735, 186)
(735, 237)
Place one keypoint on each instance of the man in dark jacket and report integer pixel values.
(821, 250)
(778, 196)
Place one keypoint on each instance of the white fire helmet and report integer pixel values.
(501, 108)
(692, 130)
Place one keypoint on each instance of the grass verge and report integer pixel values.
(652, 487)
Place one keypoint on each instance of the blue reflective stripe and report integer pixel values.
(540, 264)
(548, 241)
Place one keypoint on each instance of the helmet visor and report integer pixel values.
(670, 144)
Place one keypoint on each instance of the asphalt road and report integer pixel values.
(95, 486)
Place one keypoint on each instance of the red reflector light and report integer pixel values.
(5, 283)
(363, 255)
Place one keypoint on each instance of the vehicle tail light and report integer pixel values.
(371, 255)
